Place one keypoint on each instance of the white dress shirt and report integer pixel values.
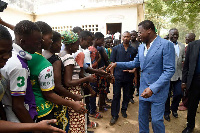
(145, 48)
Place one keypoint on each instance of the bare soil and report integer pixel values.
(130, 124)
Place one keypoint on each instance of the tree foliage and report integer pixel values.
(186, 11)
(182, 14)
(155, 11)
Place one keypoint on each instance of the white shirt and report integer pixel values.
(145, 48)
(176, 47)
(117, 35)
(69, 60)
(87, 59)
(47, 54)
(16, 74)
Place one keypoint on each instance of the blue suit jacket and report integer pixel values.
(157, 68)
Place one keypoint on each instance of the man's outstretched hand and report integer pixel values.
(111, 67)
(130, 71)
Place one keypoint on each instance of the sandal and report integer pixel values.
(93, 125)
(96, 115)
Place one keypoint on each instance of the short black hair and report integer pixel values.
(56, 36)
(77, 29)
(147, 24)
(85, 34)
(108, 37)
(173, 29)
(126, 32)
(134, 31)
(98, 35)
(25, 27)
(44, 27)
(192, 35)
(4, 33)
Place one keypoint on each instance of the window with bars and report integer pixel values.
(89, 27)
(62, 28)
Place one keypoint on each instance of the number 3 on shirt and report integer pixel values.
(21, 80)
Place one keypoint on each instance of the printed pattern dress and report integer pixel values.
(77, 120)
(60, 112)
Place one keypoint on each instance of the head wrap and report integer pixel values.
(69, 37)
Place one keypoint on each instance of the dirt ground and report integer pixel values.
(130, 124)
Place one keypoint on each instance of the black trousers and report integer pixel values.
(177, 95)
(131, 91)
(115, 107)
(193, 101)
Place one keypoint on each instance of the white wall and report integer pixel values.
(127, 15)
(13, 16)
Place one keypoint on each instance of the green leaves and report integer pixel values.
(186, 11)
(166, 14)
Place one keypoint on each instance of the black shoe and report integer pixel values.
(132, 101)
(137, 94)
(175, 114)
(109, 100)
(113, 120)
(167, 117)
(187, 130)
(124, 114)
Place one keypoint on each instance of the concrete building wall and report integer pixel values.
(127, 15)
(13, 16)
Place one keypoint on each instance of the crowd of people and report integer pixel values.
(51, 81)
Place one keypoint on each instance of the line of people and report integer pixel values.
(42, 85)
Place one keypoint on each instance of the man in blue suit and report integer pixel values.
(156, 58)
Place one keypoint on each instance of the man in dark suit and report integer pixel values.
(121, 53)
(190, 37)
(191, 82)
(134, 43)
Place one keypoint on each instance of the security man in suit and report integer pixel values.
(175, 83)
(191, 82)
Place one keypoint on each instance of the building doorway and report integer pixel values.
(113, 28)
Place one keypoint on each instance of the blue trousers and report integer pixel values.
(117, 96)
(177, 95)
(157, 112)
(92, 104)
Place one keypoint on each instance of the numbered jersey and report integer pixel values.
(16, 71)
(42, 79)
